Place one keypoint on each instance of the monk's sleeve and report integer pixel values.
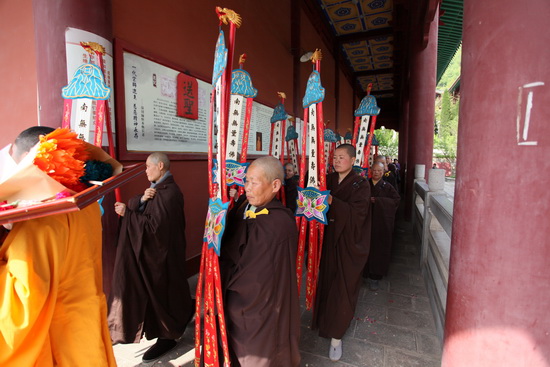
(30, 265)
(350, 215)
(149, 220)
(389, 200)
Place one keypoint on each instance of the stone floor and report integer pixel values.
(393, 327)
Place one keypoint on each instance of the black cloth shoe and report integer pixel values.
(161, 347)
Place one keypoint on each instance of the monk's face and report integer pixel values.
(259, 190)
(342, 161)
(289, 171)
(377, 172)
(153, 170)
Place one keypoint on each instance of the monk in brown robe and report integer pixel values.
(345, 250)
(384, 203)
(150, 294)
(258, 267)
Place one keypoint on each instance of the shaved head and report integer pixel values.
(271, 166)
(378, 163)
(157, 157)
(348, 148)
(264, 178)
(27, 139)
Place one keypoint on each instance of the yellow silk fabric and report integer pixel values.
(52, 307)
(251, 214)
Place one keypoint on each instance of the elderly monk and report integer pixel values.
(150, 294)
(384, 203)
(345, 250)
(258, 266)
(52, 307)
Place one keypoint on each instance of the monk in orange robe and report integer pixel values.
(52, 307)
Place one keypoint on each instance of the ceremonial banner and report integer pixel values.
(292, 145)
(209, 293)
(276, 145)
(312, 200)
(365, 113)
(76, 56)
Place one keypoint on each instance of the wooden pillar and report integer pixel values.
(403, 136)
(296, 48)
(423, 69)
(51, 22)
(498, 291)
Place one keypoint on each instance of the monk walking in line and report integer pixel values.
(258, 268)
(345, 250)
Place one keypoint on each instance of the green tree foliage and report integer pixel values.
(445, 138)
(388, 140)
(446, 114)
(452, 72)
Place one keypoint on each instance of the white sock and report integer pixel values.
(335, 342)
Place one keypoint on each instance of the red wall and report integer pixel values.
(17, 68)
(345, 117)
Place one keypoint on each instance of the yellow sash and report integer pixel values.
(251, 214)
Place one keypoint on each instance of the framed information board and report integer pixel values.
(147, 118)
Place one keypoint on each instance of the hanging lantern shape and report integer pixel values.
(277, 137)
(339, 139)
(209, 281)
(362, 137)
(240, 111)
(348, 138)
(86, 86)
(292, 144)
(312, 199)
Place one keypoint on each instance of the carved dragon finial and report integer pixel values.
(242, 59)
(93, 47)
(228, 15)
(317, 55)
(281, 95)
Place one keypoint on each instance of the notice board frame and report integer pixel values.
(120, 48)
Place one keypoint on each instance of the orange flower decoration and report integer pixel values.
(62, 155)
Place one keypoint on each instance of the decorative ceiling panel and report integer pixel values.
(343, 11)
(350, 17)
(348, 26)
(378, 21)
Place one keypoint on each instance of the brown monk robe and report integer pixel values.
(384, 203)
(345, 250)
(258, 268)
(150, 293)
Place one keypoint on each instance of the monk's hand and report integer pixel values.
(148, 194)
(120, 208)
(232, 192)
(329, 200)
